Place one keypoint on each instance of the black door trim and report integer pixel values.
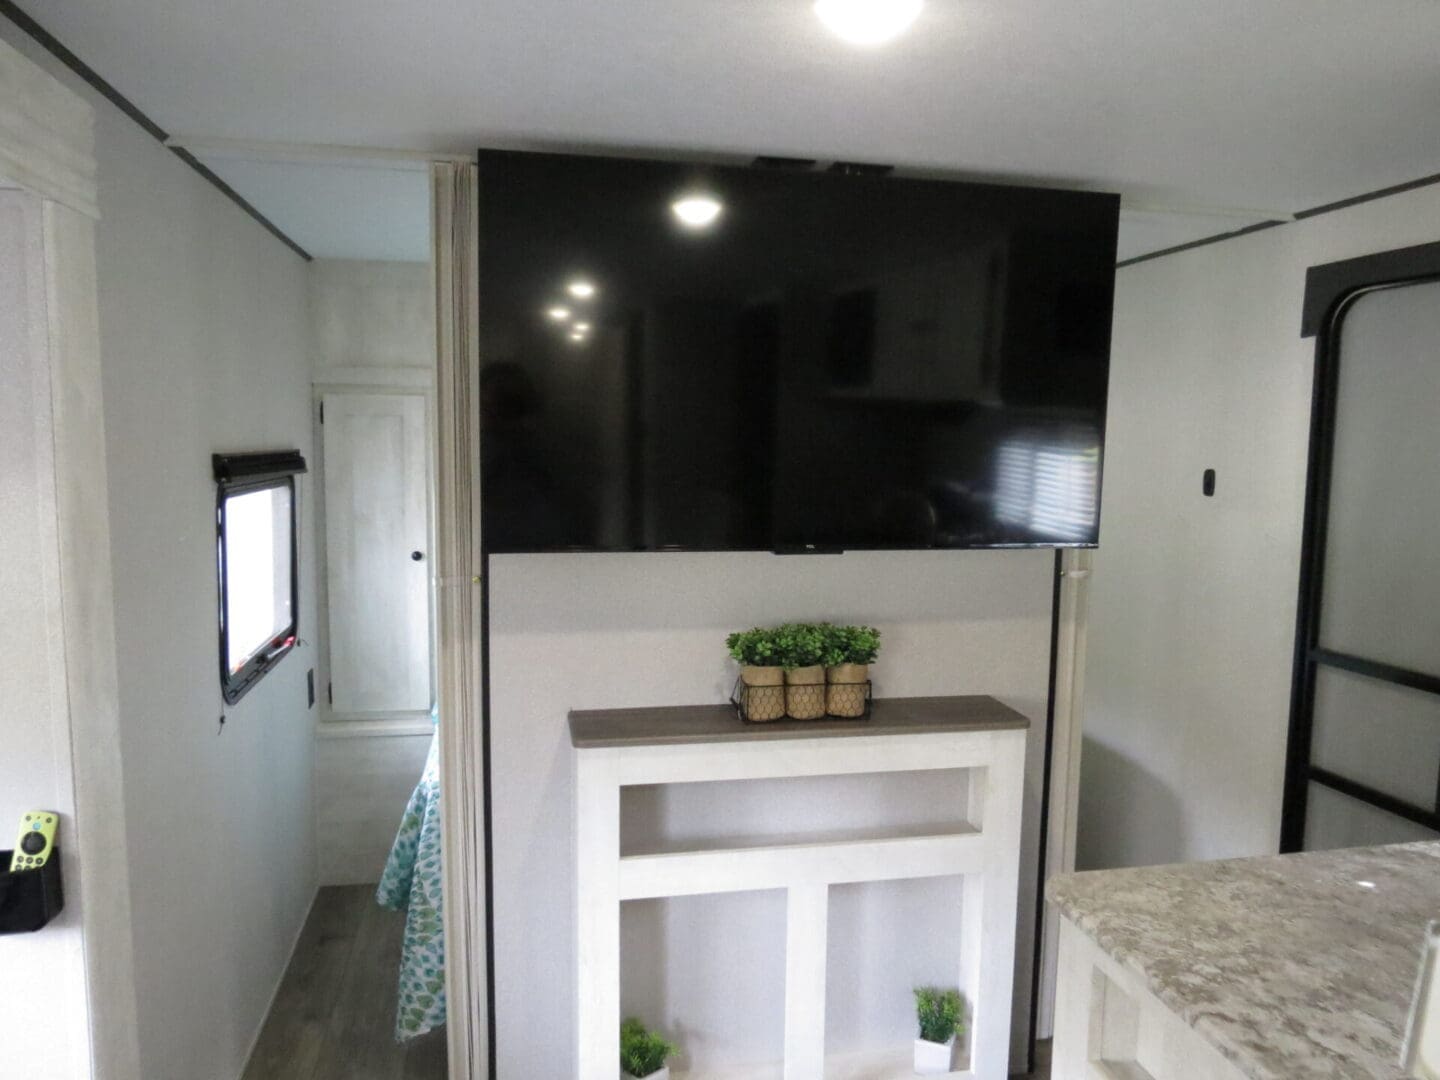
(1330, 291)
(1376, 669)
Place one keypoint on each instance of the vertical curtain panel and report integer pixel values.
(455, 257)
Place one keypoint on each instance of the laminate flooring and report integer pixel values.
(335, 1010)
(334, 1014)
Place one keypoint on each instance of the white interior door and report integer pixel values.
(377, 553)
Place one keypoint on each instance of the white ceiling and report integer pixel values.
(337, 211)
(1273, 105)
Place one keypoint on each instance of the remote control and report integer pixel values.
(36, 840)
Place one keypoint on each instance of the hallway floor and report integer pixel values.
(334, 1015)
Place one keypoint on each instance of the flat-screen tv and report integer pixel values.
(691, 357)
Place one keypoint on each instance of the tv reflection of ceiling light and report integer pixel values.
(582, 327)
(580, 289)
(697, 211)
(559, 314)
(868, 22)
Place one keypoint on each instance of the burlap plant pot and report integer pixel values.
(763, 693)
(845, 690)
(805, 693)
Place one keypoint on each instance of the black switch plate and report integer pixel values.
(1207, 484)
(310, 688)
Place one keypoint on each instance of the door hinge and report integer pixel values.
(330, 692)
(322, 412)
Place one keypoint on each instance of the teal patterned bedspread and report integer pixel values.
(411, 883)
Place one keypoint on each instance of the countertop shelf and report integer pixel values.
(680, 724)
(620, 748)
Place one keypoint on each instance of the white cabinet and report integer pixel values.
(377, 552)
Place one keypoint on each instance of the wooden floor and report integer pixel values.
(334, 1015)
(335, 1012)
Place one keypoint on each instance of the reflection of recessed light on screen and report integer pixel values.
(580, 289)
(697, 211)
(559, 314)
(582, 327)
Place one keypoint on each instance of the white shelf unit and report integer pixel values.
(986, 854)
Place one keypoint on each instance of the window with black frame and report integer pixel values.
(257, 564)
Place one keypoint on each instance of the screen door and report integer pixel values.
(1365, 723)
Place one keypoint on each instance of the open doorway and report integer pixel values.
(364, 993)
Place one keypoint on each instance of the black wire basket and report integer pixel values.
(819, 701)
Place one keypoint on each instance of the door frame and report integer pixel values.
(1330, 291)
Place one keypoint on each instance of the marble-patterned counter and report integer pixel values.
(1288, 966)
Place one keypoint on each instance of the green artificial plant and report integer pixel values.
(753, 648)
(642, 1052)
(938, 1012)
(851, 645)
(800, 645)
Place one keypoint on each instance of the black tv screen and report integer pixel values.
(705, 358)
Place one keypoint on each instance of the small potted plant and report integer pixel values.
(938, 1012)
(763, 697)
(801, 648)
(643, 1053)
(849, 652)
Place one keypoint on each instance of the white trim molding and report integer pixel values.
(370, 729)
(47, 140)
(359, 377)
(1076, 567)
(47, 149)
(303, 153)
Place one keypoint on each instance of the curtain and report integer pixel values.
(455, 258)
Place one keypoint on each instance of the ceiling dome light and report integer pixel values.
(580, 289)
(868, 22)
(697, 211)
(558, 313)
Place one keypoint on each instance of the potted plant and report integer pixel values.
(801, 648)
(849, 652)
(760, 672)
(643, 1053)
(938, 1012)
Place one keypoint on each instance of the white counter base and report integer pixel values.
(1108, 1026)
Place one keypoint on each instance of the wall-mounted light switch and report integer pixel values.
(1207, 484)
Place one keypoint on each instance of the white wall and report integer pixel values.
(608, 631)
(203, 329)
(1193, 599)
(371, 326)
(371, 315)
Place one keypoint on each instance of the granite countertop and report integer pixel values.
(668, 725)
(1290, 965)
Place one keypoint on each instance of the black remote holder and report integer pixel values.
(30, 898)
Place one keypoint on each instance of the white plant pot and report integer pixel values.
(932, 1058)
(663, 1074)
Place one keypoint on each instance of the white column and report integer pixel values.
(988, 934)
(806, 933)
(597, 854)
